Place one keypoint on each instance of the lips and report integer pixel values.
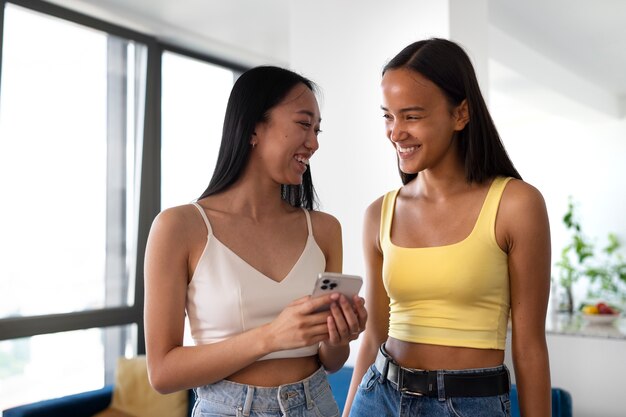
(407, 151)
(302, 161)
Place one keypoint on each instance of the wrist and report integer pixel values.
(333, 357)
(264, 338)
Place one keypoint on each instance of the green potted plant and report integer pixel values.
(605, 271)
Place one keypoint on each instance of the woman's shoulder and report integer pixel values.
(177, 219)
(327, 234)
(325, 222)
(178, 213)
(373, 210)
(520, 192)
(521, 199)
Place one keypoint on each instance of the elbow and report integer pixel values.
(161, 388)
(157, 383)
(160, 382)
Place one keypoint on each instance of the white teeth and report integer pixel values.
(405, 150)
(302, 159)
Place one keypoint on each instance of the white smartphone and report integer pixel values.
(329, 282)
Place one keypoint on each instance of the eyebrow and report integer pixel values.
(309, 113)
(406, 109)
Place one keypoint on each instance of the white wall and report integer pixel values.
(590, 369)
(567, 150)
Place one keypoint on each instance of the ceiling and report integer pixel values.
(246, 31)
(585, 39)
(588, 37)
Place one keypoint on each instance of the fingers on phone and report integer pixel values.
(351, 313)
(317, 303)
(313, 334)
(344, 318)
(300, 300)
(333, 332)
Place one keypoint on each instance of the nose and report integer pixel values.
(396, 131)
(311, 142)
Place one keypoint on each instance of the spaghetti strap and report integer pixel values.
(204, 217)
(308, 221)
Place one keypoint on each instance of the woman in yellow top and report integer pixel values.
(460, 246)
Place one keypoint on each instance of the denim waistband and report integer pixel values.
(270, 399)
(443, 383)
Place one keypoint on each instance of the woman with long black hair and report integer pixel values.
(460, 247)
(241, 262)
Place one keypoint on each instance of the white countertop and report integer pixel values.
(576, 325)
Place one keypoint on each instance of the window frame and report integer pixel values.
(150, 180)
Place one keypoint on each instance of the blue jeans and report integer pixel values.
(377, 397)
(310, 397)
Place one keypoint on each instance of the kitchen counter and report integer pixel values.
(576, 325)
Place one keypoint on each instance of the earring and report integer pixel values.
(253, 144)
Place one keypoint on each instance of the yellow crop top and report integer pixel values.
(453, 295)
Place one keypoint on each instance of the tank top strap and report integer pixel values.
(308, 221)
(204, 217)
(386, 215)
(487, 218)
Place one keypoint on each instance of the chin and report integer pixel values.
(409, 170)
(292, 181)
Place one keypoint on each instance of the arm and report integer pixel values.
(346, 322)
(525, 222)
(171, 365)
(377, 301)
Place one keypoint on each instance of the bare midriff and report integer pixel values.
(431, 357)
(275, 372)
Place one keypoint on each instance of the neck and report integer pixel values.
(254, 197)
(435, 185)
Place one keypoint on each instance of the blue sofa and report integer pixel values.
(85, 404)
(561, 403)
(89, 403)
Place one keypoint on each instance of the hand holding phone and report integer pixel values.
(330, 282)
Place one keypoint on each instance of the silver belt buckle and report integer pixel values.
(413, 393)
(401, 382)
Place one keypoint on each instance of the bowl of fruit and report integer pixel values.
(599, 313)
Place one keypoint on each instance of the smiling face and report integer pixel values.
(420, 121)
(285, 142)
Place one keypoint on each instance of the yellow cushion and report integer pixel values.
(133, 394)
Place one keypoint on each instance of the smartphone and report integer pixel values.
(329, 282)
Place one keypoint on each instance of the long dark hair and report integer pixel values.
(254, 94)
(447, 65)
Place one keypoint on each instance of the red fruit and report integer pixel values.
(604, 309)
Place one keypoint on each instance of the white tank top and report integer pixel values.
(227, 296)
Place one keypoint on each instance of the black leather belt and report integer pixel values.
(425, 383)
